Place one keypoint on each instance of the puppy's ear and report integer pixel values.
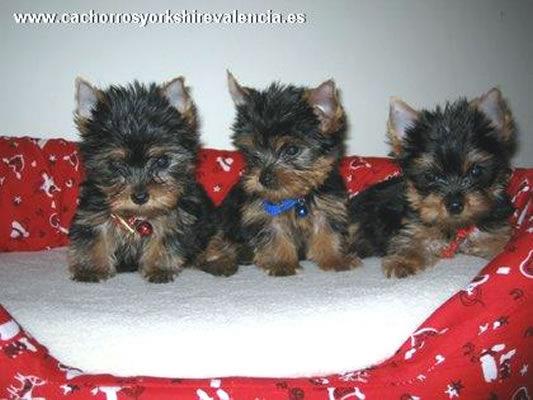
(178, 96)
(326, 105)
(86, 98)
(494, 107)
(401, 118)
(238, 93)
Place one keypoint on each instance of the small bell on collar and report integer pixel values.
(144, 228)
(301, 208)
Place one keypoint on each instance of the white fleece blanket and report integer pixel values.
(203, 326)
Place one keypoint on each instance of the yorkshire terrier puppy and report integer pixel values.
(139, 207)
(452, 195)
(291, 202)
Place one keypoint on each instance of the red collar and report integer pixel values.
(460, 236)
(134, 225)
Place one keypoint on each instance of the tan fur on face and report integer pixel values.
(251, 182)
(292, 183)
(245, 141)
(432, 209)
(280, 141)
(476, 204)
(163, 197)
(424, 162)
(475, 157)
(156, 151)
(116, 153)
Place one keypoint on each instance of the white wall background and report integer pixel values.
(425, 51)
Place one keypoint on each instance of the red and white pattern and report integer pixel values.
(477, 345)
(39, 182)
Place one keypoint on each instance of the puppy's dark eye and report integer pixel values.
(476, 171)
(117, 166)
(430, 177)
(253, 158)
(291, 150)
(162, 162)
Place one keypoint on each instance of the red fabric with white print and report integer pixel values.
(39, 182)
(477, 345)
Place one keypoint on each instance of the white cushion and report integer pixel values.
(203, 326)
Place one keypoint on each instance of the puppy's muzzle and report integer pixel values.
(140, 197)
(454, 203)
(268, 178)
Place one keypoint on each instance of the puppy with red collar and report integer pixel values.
(452, 195)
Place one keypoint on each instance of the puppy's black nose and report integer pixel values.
(454, 204)
(267, 178)
(140, 197)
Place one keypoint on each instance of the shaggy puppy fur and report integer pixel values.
(291, 201)
(140, 207)
(452, 195)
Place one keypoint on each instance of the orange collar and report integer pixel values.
(460, 236)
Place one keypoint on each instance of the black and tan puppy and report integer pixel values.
(452, 195)
(291, 201)
(139, 207)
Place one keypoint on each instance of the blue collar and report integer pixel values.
(275, 209)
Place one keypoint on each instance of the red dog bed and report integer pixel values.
(477, 345)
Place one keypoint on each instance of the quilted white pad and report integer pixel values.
(202, 326)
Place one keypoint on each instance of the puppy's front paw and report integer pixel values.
(401, 266)
(218, 262)
(339, 263)
(224, 266)
(282, 269)
(157, 275)
(91, 275)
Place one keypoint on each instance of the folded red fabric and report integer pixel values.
(39, 182)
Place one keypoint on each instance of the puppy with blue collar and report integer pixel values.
(291, 202)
